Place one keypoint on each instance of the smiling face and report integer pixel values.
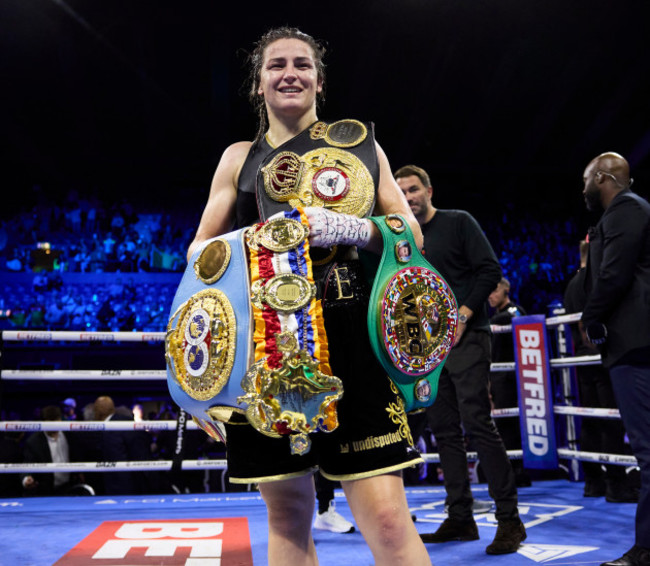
(289, 80)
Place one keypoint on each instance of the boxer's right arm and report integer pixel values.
(219, 214)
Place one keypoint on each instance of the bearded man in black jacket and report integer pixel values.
(616, 316)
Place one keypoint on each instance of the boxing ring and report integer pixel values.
(227, 528)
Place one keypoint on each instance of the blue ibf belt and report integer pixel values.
(412, 316)
(253, 344)
(209, 334)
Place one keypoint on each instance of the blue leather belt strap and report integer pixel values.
(229, 359)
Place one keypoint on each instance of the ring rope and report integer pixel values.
(564, 410)
(81, 426)
(81, 374)
(550, 321)
(153, 375)
(135, 466)
(166, 465)
(586, 412)
(556, 363)
(618, 459)
(221, 464)
(73, 336)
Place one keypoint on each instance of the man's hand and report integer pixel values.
(597, 333)
(464, 314)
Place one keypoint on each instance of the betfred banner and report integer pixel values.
(185, 542)
(535, 392)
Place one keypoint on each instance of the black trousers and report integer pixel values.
(597, 434)
(632, 388)
(503, 387)
(463, 402)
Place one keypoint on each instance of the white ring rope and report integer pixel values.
(73, 336)
(135, 466)
(564, 410)
(550, 321)
(81, 374)
(153, 375)
(587, 412)
(166, 465)
(556, 363)
(77, 426)
(619, 459)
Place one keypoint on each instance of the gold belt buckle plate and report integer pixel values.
(281, 234)
(284, 293)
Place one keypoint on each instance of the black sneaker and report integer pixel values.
(452, 529)
(509, 537)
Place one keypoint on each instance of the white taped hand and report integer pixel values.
(327, 228)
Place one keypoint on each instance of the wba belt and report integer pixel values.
(330, 165)
(277, 375)
(412, 316)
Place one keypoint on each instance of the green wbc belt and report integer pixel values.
(412, 315)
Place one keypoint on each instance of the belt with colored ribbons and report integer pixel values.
(290, 389)
(246, 335)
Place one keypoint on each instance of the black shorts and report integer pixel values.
(373, 436)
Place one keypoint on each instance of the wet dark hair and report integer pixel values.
(256, 60)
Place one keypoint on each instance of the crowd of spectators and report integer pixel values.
(86, 235)
(537, 257)
(89, 235)
(117, 305)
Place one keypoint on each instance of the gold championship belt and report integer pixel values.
(253, 342)
(329, 176)
(412, 316)
(290, 389)
(209, 342)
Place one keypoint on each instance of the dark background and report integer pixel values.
(504, 102)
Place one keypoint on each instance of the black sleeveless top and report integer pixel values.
(254, 205)
(246, 209)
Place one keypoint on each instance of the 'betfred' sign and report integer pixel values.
(186, 542)
(535, 395)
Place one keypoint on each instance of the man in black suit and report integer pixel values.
(122, 446)
(617, 314)
(46, 448)
(595, 390)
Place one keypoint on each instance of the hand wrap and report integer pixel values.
(327, 228)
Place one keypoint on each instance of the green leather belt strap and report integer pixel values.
(412, 315)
